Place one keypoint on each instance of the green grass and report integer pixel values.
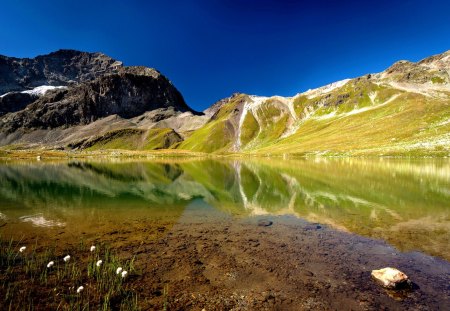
(274, 119)
(353, 120)
(359, 118)
(392, 129)
(250, 129)
(438, 80)
(217, 135)
(134, 139)
(27, 282)
(213, 137)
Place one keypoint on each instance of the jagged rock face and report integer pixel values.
(62, 67)
(434, 69)
(15, 101)
(128, 94)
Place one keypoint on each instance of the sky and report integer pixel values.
(210, 49)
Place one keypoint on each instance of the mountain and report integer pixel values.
(62, 67)
(82, 96)
(402, 110)
(78, 100)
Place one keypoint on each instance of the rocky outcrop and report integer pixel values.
(128, 93)
(15, 101)
(63, 67)
(434, 69)
(218, 104)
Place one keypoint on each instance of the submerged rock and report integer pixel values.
(264, 223)
(391, 278)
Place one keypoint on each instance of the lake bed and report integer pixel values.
(245, 234)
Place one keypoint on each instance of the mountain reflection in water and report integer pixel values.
(405, 202)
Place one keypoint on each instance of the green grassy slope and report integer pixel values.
(397, 122)
(134, 139)
(362, 117)
(404, 110)
(219, 133)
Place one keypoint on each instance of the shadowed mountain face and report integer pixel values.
(89, 99)
(127, 94)
(402, 202)
(62, 67)
(48, 100)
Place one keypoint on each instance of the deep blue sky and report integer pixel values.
(211, 48)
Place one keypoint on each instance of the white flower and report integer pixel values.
(124, 274)
(99, 263)
(51, 263)
(67, 258)
(92, 248)
(80, 289)
(22, 249)
(119, 270)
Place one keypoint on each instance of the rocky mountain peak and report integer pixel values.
(214, 108)
(97, 86)
(59, 68)
(432, 70)
(439, 61)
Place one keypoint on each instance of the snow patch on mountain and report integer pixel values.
(41, 90)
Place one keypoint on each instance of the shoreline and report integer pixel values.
(206, 260)
(7, 154)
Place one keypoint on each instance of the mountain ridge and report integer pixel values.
(57, 68)
(401, 110)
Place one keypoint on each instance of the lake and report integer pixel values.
(319, 212)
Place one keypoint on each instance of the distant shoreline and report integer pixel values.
(47, 154)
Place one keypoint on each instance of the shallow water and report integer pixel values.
(403, 202)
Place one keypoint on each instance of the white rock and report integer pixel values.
(390, 277)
